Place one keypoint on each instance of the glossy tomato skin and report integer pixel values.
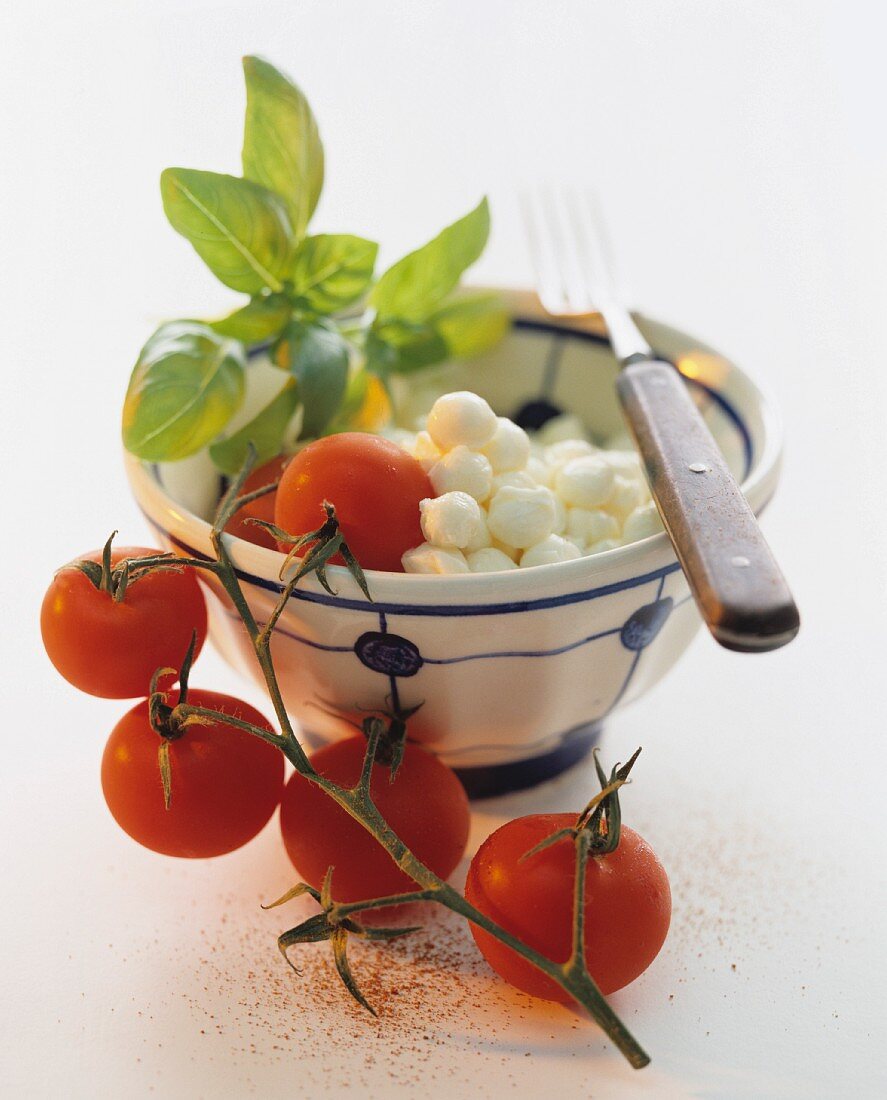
(426, 806)
(375, 488)
(225, 782)
(627, 898)
(113, 649)
(263, 508)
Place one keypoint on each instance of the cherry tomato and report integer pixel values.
(426, 806)
(263, 508)
(375, 488)
(225, 783)
(113, 649)
(627, 904)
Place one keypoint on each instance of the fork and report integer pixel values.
(733, 575)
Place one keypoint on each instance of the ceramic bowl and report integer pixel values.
(517, 670)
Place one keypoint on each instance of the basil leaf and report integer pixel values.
(281, 145)
(464, 327)
(317, 357)
(332, 270)
(240, 230)
(262, 318)
(265, 431)
(471, 325)
(185, 387)
(396, 347)
(352, 402)
(418, 283)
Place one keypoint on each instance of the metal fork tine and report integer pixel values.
(615, 287)
(563, 232)
(542, 254)
(591, 251)
(625, 337)
(572, 256)
(609, 271)
(568, 247)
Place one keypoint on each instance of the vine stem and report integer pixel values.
(188, 714)
(572, 976)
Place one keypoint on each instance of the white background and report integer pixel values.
(741, 152)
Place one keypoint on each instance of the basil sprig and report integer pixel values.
(252, 232)
(186, 386)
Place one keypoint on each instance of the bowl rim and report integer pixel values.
(261, 563)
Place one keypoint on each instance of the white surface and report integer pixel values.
(742, 158)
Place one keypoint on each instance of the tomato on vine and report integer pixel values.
(262, 508)
(374, 486)
(424, 803)
(527, 886)
(224, 782)
(108, 623)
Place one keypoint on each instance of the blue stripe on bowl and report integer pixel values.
(446, 610)
(528, 325)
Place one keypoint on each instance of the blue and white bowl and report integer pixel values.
(516, 671)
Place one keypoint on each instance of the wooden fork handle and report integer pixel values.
(739, 588)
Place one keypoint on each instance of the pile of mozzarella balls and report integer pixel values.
(506, 501)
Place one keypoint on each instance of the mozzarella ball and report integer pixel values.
(424, 450)
(462, 471)
(461, 418)
(539, 471)
(626, 495)
(515, 478)
(503, 547)
(490, 560)
(509, 448)
(641, 523)
(601, 546)
(433, 559)
(452, 521)
(626, 463)
(522, 517)
(560, 516)
(550, 550)
(586, 525)
(566, 426)
(482, 538)
(559, 454)
(585, 482)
